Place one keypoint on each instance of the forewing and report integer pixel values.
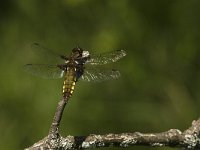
(99, 74)
(106, 58)
(46, 54)
(44, 71)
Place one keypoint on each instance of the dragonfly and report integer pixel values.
(78, 65)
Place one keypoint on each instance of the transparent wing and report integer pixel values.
(44, 71)
(46, 54)
(99, 74)
(106, 58)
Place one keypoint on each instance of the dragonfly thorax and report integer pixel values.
(77, 57)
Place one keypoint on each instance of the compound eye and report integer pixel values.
(75, 50)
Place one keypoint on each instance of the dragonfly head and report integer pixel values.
(77, 52)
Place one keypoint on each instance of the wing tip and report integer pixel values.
(123, 52)
(116, 73)
(34, 45)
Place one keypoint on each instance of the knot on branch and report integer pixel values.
(67, 142)
(192, 136)
(192, 141)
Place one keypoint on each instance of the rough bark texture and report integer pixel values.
(189, 139)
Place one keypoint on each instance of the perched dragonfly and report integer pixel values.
(78, 65)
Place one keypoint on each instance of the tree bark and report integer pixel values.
(189, 139)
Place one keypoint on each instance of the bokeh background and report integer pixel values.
(160, 84)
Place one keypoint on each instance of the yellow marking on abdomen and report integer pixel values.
(69, 82)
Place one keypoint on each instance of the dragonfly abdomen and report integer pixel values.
(69, 82)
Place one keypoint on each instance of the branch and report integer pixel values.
(189, 139)
(52, 141)
(54, 129)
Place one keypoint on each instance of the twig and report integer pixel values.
(189, 139)
(52, 141)
(54, 129)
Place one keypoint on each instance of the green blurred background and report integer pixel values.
(160, 84)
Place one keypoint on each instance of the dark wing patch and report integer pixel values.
(106, 58)
(44, 71)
